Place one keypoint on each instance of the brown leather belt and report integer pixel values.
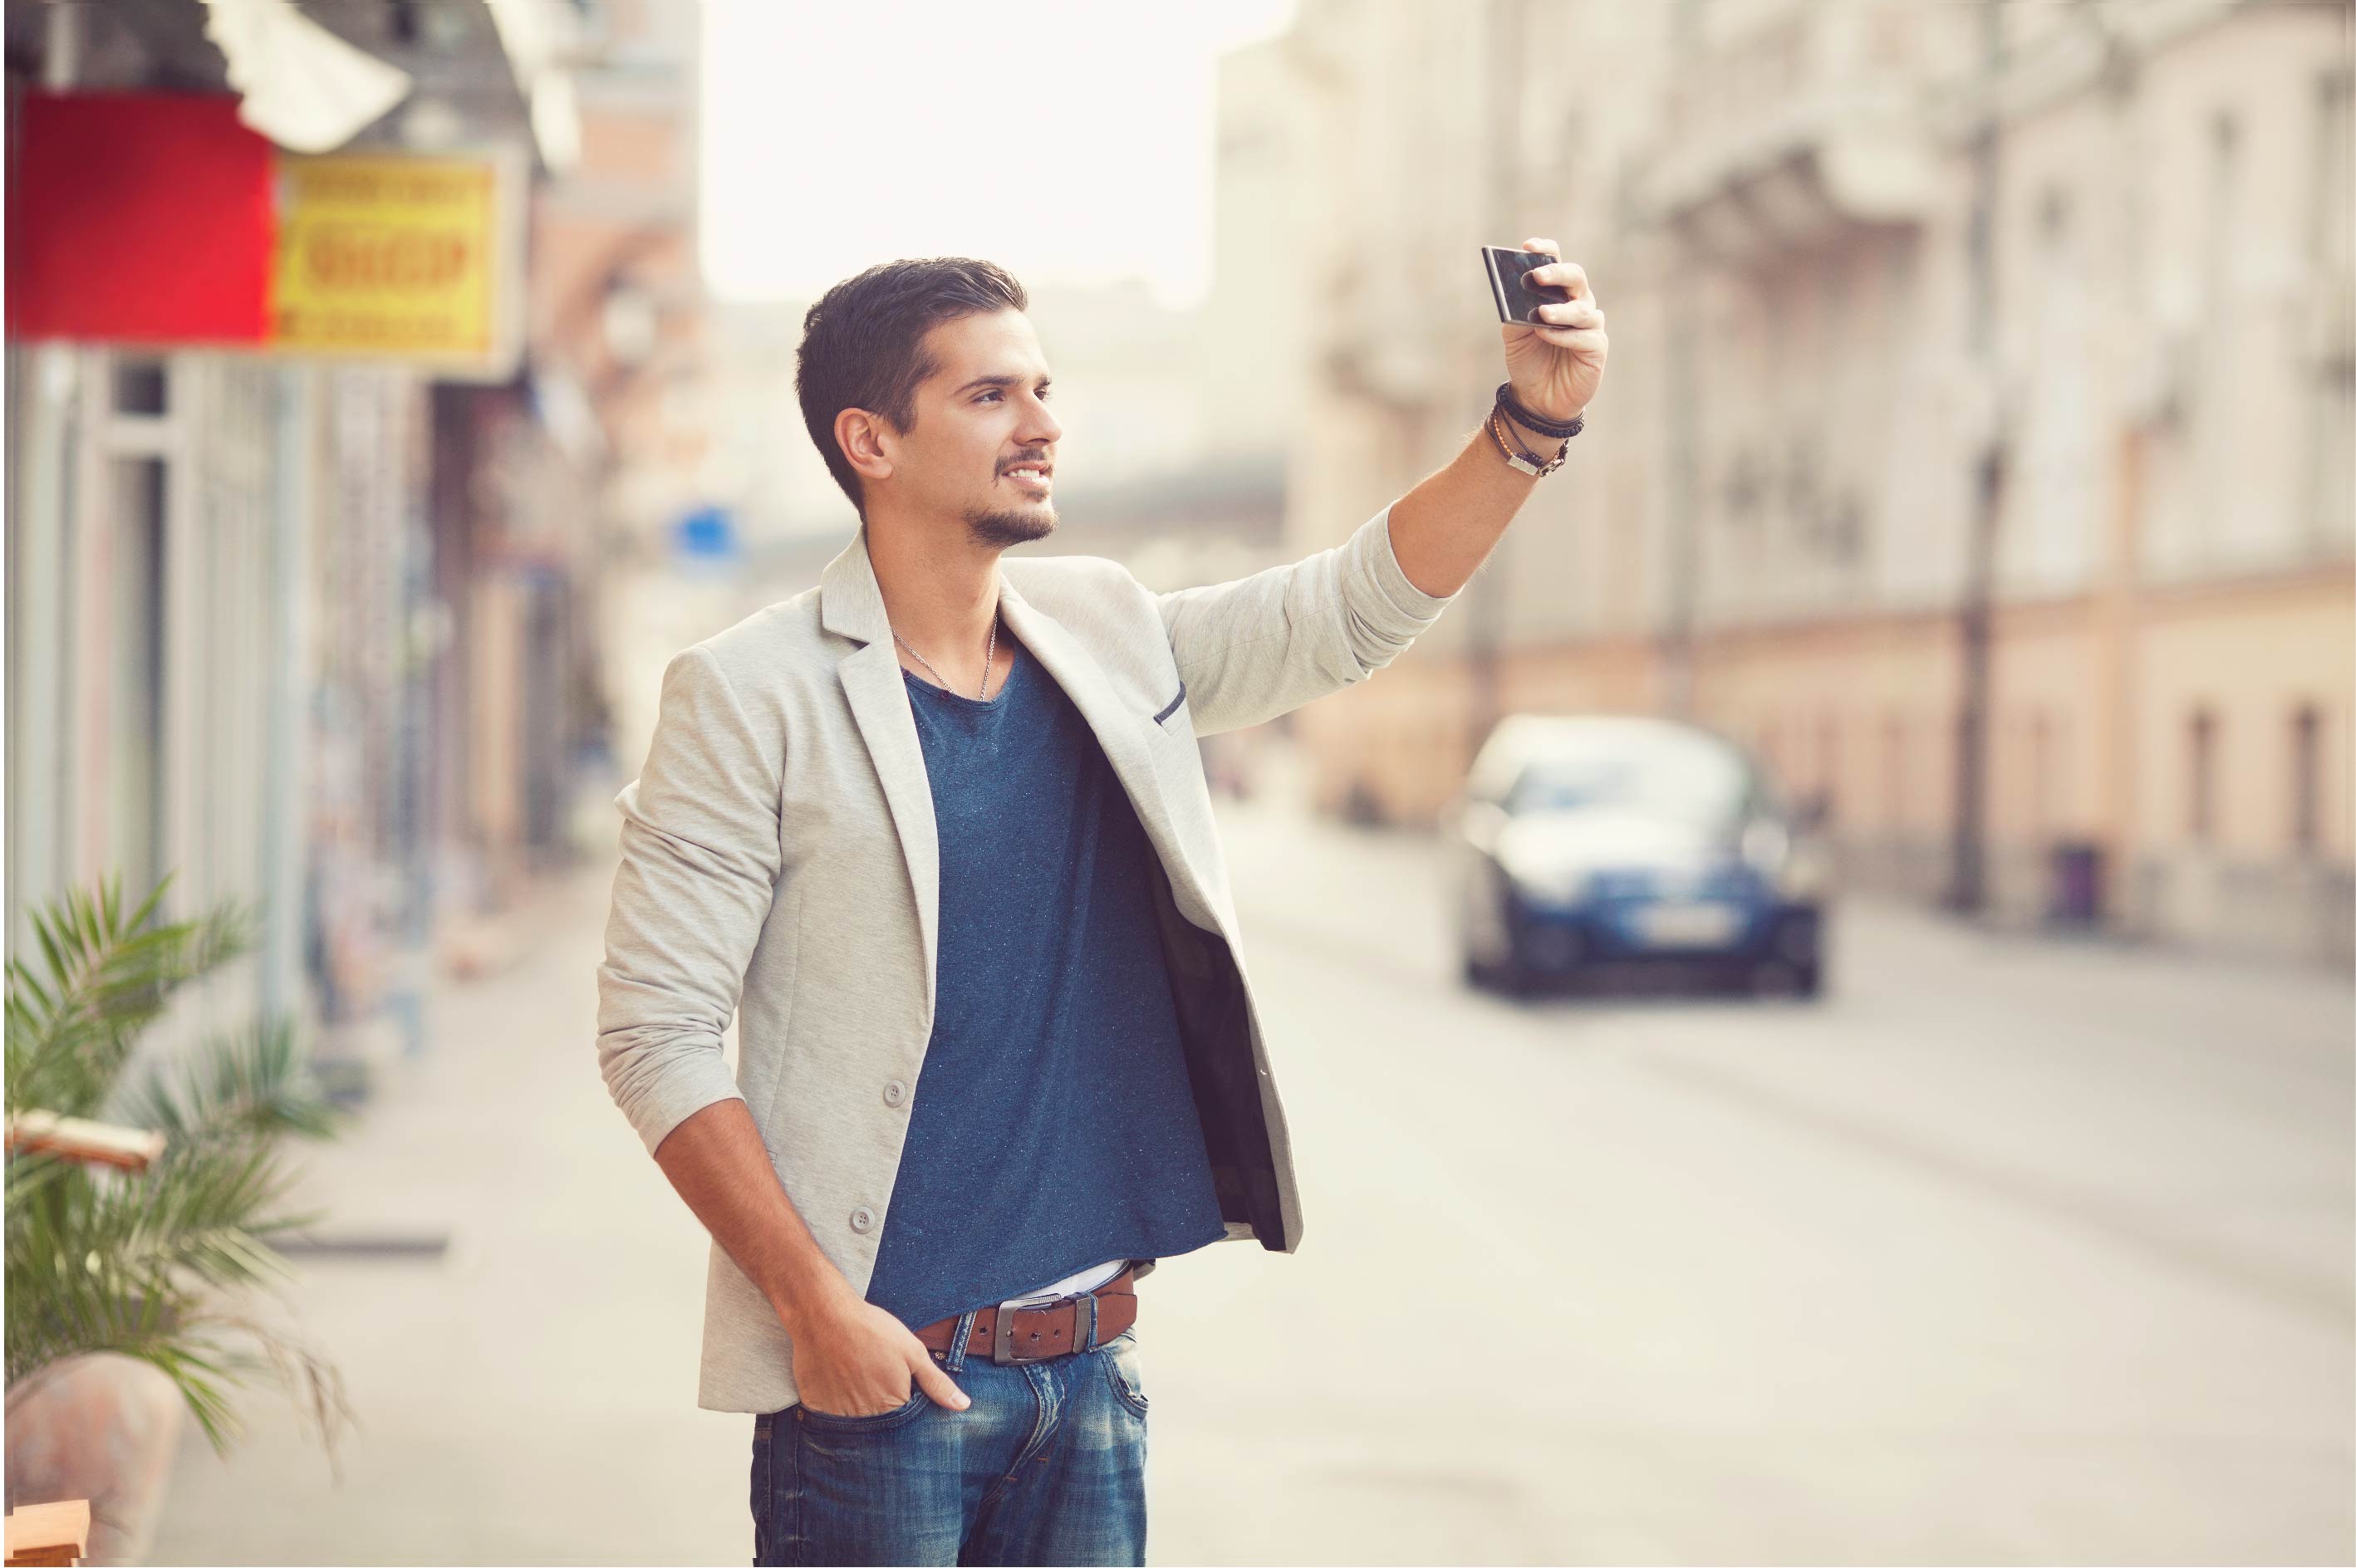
(1042, 1333)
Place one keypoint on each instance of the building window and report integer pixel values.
(1828, 766)
(1894, 770)
(2220, 233)
(136, 677)
(2041, 776)
(141, 387)
(2225, 179)
(2202, 760)
(2307, 779)
(2053, 216)
(2332, 409)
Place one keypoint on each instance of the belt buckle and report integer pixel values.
(1002, 1349)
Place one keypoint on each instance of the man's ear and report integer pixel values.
(860, 436)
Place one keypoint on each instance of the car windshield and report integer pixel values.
(1691, 778)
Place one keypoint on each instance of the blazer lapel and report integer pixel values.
(850, 604)
(1116, 725)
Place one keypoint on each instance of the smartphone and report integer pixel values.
(1517, 298)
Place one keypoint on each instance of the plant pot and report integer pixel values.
(102, 1426)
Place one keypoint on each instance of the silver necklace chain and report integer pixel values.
(987, 659)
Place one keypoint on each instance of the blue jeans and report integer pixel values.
(1047, 1465)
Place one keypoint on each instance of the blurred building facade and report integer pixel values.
(320, 634)
(1835, 437)
(566, 476)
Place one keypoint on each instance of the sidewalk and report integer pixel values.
(529, 1394)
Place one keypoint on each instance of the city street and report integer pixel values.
(411, 403)
(2009, 1250)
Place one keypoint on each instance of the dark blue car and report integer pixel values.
(1595, 843)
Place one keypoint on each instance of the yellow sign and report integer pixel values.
(394, 256)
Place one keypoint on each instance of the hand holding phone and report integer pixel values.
(1517, 298)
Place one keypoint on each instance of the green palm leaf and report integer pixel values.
(158, 1264)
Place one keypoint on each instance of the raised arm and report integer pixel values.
(1264, 644)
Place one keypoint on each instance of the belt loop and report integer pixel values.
(956, 1342)
(1087, 1342)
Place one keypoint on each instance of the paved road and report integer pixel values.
(2008, 1251)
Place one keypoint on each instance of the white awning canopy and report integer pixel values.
(536, 34)
(297, 83)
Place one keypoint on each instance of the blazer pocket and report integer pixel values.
(1172, 707)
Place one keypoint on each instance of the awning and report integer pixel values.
(536, 34)
(299, 84)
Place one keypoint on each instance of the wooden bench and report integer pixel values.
(90, 1143)
(49, 1532)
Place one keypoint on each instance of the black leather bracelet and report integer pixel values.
(1528, 421)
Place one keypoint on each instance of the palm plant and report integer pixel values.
(163, 1264)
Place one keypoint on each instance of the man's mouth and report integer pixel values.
(1031, 476)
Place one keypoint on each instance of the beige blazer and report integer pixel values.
(779, 863)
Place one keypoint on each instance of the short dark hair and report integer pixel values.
(863, 344)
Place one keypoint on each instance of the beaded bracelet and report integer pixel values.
(1524, 459)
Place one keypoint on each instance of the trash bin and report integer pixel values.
(2077, 900)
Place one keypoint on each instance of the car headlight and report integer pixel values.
(1797, 869)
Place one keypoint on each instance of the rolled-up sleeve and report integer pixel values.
(1264, 644)
(699, 870)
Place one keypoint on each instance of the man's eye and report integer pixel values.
(994, 392)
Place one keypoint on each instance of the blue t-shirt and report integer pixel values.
(1053, 1126)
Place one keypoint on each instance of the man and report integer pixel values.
(940, 826)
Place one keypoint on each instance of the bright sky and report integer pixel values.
(1069, 142)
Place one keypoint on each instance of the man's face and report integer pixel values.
(982, 415)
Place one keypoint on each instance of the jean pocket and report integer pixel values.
(1121, 1374)
(881, 1421)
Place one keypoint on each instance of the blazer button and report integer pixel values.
(862, 1221)
(894, 1091)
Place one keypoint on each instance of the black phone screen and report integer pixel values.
(1517, 298)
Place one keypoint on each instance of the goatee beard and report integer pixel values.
(1000, 530)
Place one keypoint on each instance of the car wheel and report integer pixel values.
(1775, 978)
(1476, 976)
(1510, 977)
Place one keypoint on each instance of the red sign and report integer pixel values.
(139, 217)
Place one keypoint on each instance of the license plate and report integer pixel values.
(1688, 924)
